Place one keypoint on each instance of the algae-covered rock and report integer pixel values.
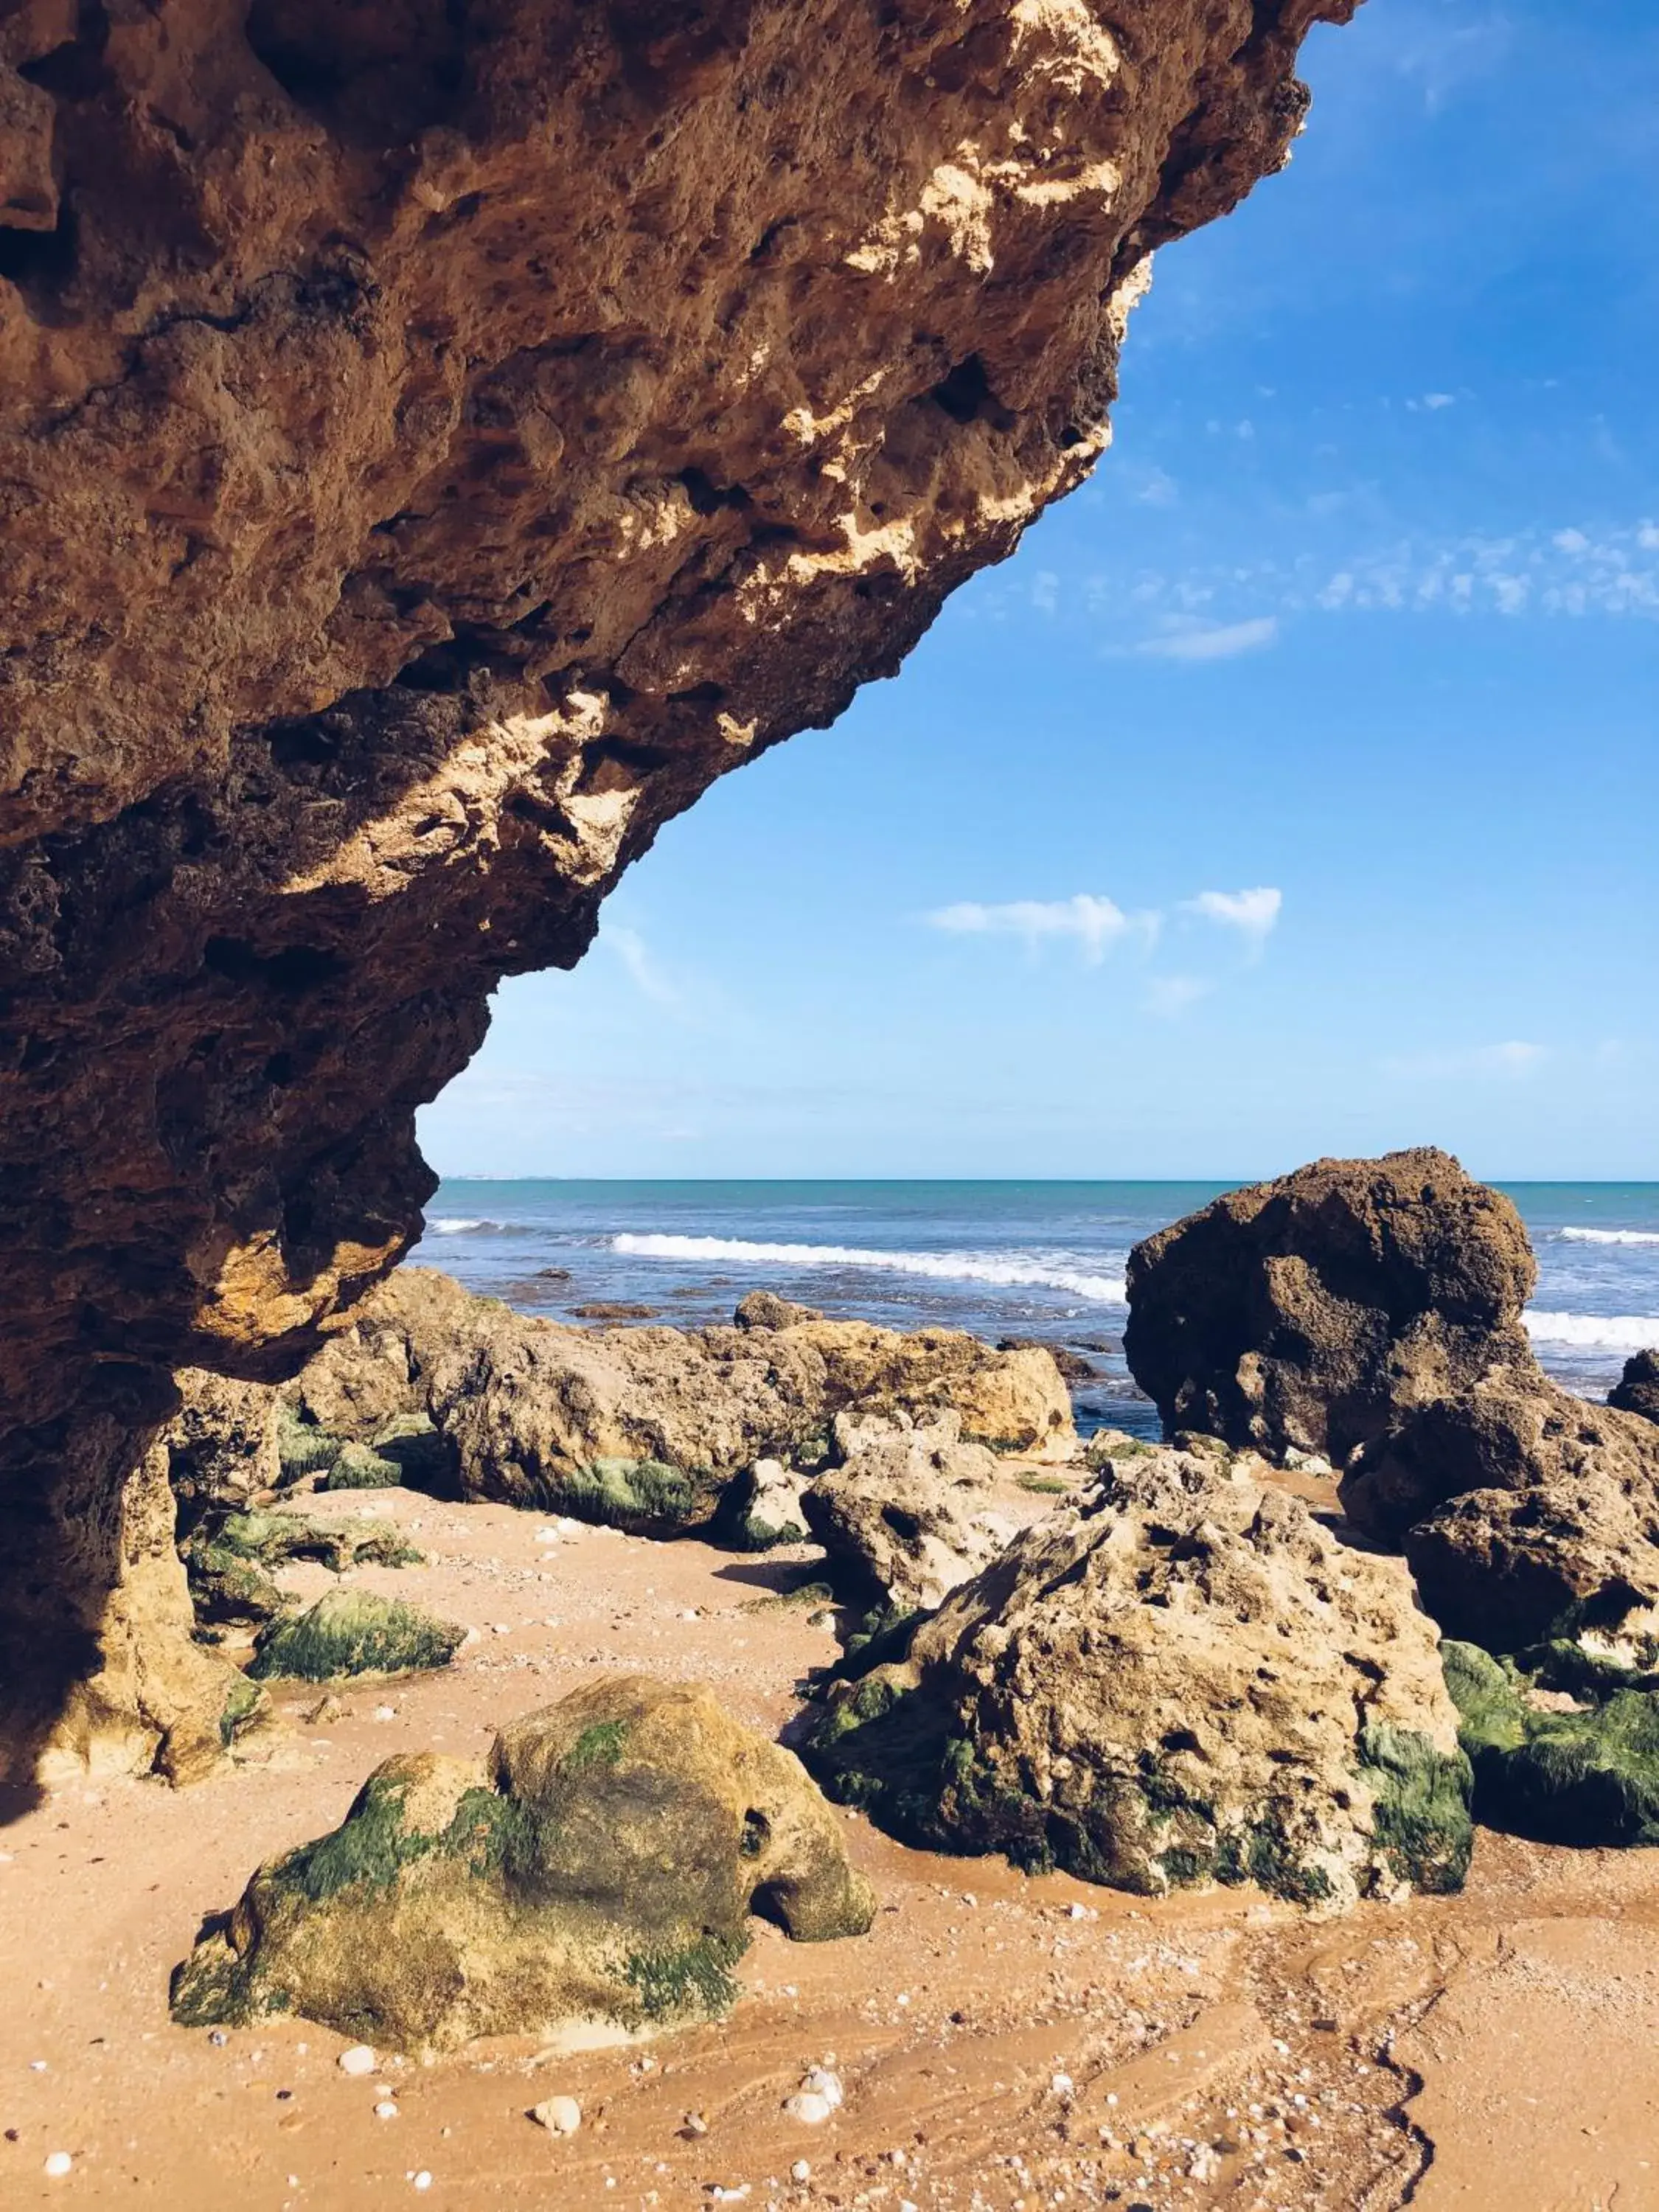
(1586, 1774)
(908, 1514)
(762, 1506)
(353, 1631)
(360, 1466)
(228, 1560)
(1185, 1678)
(595, 1876)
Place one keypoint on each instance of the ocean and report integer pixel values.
(1041, 1259)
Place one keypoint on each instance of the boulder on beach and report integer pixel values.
(1309, 1313)
(594, 1877)
(908, 1514)
(223, 1443)
(1185, 1678)
(1522, 1509)
(1636, 1390)
(354, 1632)
(644, 1426)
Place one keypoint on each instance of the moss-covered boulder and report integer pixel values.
(1185, 1678)
(595, 1876)
(354, 1632)
(360, 1467)
(228, 1560)
(1564, 1744)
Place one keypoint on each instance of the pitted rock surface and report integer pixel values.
(1307, 1313)
(1186, 1678)
(646, 1427)
(436, 447)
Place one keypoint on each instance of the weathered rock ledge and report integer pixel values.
(435, 448)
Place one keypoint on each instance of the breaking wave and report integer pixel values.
(1609, 1332)
(942, 1266)
(453, 1225)
(1609, 1236)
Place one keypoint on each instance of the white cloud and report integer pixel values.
(1253, 913)
(1045, 590)
(1434, 401)
(642, 970)
(1222, 643)
(1511, 1060)
(1096, 924)
(1170, 995)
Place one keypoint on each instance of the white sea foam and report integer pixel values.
(942, 1266)
(1610, 1236)
(1609, 1332)
(453, 1225)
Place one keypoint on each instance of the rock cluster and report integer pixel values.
(646, 1427)
(1371, 1309)
(1184, 1678)
(597, 1874)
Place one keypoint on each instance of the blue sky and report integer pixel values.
(1361, 611)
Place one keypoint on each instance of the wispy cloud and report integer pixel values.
(1510, 1060)
(1253, 913)
(640, 967)
(1170, 996)
(1220, 641)
(1095, 924)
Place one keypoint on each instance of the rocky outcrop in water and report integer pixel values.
(1636, 1390)
(1309, 1313)
(436, 446)
(1186, 1678)
(595, 1876)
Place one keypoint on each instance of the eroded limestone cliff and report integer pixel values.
(437, 440)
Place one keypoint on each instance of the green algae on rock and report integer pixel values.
(226, 1561)
(1186, 1678)
(354, 1632)
(595, 1876)
(1587, 1774)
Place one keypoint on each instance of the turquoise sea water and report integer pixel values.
(1002, 1259)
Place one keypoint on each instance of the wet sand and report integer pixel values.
(1004, 2042)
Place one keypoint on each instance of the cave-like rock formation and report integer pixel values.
(437, 439)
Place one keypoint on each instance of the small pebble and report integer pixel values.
(385, 2110)
(360, 2059)
(807, 2107)
(424, 2179)
(560, 2116)
(58, 2164)
(385, 1712)
(800, 2171)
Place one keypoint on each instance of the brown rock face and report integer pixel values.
(1636, 1390)
(1311, 1311)
(1522, 1509)
(646, 1427)
(433, 447)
